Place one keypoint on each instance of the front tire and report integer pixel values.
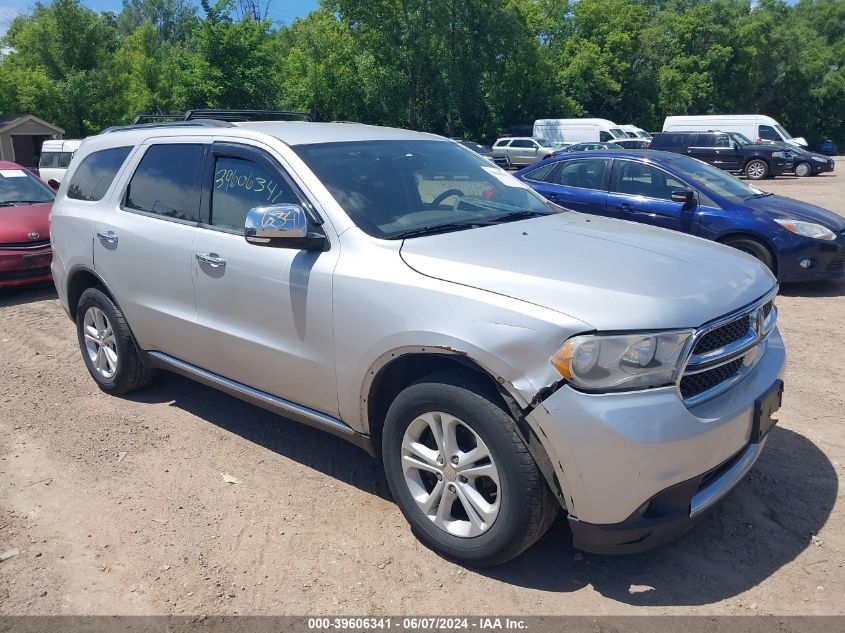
(757, 169)
(461, 474)
(803, 170)
(107, 345)
(755, 248)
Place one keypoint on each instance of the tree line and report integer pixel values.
(467, 68)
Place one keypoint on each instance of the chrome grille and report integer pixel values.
(726, 350)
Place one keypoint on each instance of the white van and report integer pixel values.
(55, 158)
(757, 127)
(632, 131)
(569, 131)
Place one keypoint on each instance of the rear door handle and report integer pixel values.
(107, 236)
(212, 259)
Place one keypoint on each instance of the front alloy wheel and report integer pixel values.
(803, 169)
(451, 474)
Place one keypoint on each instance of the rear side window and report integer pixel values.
(95, 175)
(540, 173)
(503, 142)
(240, 185)
(669, 140)
(589, 173)
(166, 182)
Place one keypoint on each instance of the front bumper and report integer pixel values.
(24, 266)
(826, 259)
(614, 453)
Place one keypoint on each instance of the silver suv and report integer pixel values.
(521, 151)
(506, 358)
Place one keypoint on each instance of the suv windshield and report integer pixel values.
(715, 180)
(18, 186)
(397, 189)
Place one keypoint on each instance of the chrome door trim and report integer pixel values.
(280, 406)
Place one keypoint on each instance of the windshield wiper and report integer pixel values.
(517, 215)
(438, 228)
(11, 203)
(762, 194)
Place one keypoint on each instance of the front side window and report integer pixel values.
(589, 173)
(604, 137)
(95, 175)
(638, 179)
(18, 186)
(722, 140)
(768, 133)
(49, 159)
(240, 185)
(166, 182)
(405, 188)
(64, 159)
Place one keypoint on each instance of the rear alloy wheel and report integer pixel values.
(461, 473)
(108, 347)
(803, 169)
(757, 169)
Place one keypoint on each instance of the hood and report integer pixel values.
(780, 207)
(16, 223)
(611, 274)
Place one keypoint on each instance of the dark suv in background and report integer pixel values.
(728, 151)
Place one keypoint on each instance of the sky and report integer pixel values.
(280, 10)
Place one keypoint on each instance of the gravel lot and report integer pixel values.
(118, 506)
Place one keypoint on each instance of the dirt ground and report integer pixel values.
(119, 506)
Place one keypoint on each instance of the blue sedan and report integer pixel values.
(797, 241)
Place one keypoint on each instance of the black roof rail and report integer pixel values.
(238, 115)
(156, 118)
(146, 126)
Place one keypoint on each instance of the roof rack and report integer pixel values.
(156, 118)
(146, 126)
(236, 115)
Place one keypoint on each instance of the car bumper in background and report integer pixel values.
(821, 260)
(24, 266)
(639, 468)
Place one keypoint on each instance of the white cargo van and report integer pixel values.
(632, 131)
(569, 131)
(757, 127)
(55, 158)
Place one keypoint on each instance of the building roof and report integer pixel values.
(12, 119)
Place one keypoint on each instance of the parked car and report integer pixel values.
(585, 147)
(806, 163)
(633, 143)
(731, 152)
(520, 151)
(25, 204)
(755, 126)
(483, 150)
(55, 158)
(406, 295)
(797, 241)
(571, 131)
(828, 148)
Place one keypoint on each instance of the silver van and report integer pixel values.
(506, 358)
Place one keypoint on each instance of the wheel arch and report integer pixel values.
(79, 280)
(750, 235)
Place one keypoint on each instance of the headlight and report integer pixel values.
(808, 229)
(630, 361)
(781, 154)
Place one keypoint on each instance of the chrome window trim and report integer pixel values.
(742, 349)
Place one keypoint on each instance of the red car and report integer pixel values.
(25, 204)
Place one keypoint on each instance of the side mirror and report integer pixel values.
(281, 226)
(53, 184)
(683, 196)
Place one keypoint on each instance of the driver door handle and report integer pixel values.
(107, 236)
(212, 259)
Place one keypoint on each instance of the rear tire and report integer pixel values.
(108, 347)
(485, 519)
(755, 248)
(757, 169)
(803, 170)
